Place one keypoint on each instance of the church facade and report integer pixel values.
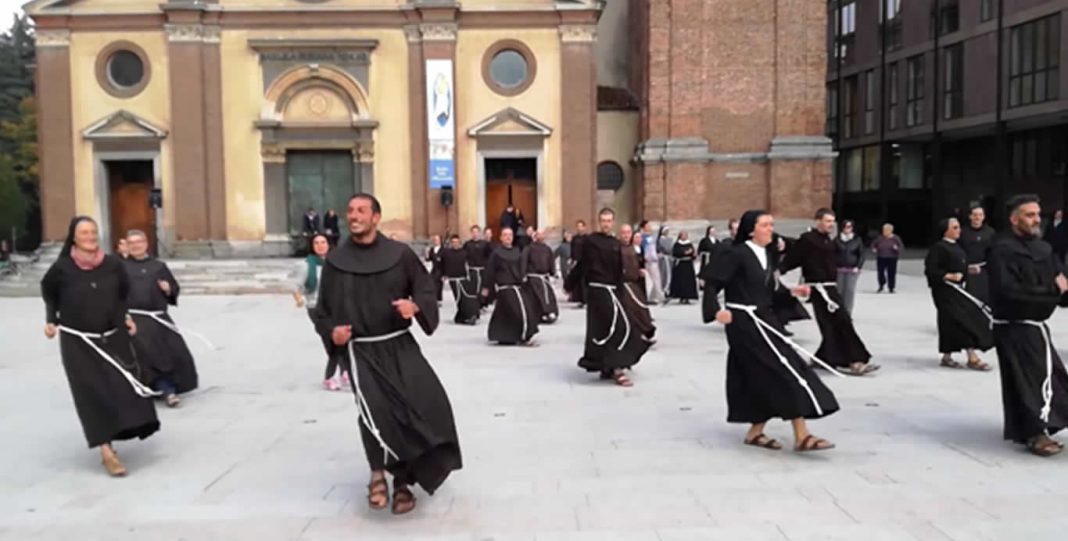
(214, 125)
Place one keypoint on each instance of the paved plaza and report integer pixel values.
(551, 454)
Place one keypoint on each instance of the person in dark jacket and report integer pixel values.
(849, 251)
(887, 248)
(1057, 235)
(332, 227)
(510, 218)
(312, 225)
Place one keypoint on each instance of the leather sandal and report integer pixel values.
(378, 491)
(764, 442)
(403, 500)
(812, 443)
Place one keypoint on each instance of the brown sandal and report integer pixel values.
(763, 441)
(622, 380)
(948, 362)
(1044, 446)
(378, 488)
(978, 365)
(812, 443)
(403, 500)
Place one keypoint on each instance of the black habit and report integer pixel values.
(1023, 295)
(464, 289)
(814, 252)
(635, 301)
(683, 278)
(576, 291)
(707, 249)
(94, 301)
(516, 313)
(540, 266)
(784, 304)
(404, 399)
(962, 324)
(764, 373)
(433, 256)
(478, 252)
(613, 340)
(976, 245)
(161, 351)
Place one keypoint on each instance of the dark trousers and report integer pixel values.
(335, 356)
(165, 385)
(887, 267)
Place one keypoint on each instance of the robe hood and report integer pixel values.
(379, 256)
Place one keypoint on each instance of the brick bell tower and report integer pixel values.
(732, 109)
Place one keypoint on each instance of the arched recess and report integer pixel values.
(299, 80)
(316, 137)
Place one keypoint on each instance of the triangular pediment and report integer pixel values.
(123, 125)
(509, 122)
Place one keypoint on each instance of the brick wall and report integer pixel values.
(736, 74)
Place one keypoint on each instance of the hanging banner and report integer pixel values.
(441, 128)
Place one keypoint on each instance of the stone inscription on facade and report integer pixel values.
(314, 56)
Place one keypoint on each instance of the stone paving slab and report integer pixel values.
(550, 453)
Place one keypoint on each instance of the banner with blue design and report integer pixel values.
(441, 128)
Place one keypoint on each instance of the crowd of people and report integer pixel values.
(121, 349)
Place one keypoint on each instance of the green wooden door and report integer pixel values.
(319, 180)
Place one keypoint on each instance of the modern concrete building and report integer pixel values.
(938, 105)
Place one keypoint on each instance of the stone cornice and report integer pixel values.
(52, 38)
(192, 33)
(438, 31)
(696, 150)
(578, 33)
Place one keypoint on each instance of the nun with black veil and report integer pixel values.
(964, 321)
(766, 376)
(84, 293)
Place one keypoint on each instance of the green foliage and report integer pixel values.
(21, 134)
(16, 78)
(19, 193)
(12, 202)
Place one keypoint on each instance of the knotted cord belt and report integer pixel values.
(141, 389)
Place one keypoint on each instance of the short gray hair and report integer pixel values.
(136, 233)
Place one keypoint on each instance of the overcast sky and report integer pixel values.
(7, 8)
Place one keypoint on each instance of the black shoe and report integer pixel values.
(880, 289)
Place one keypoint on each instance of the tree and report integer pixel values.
(16, 78)
(12, 203)
(19, 191)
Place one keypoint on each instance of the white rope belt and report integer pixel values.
(762, 327)
(705, 258)
(158, 316)
(522, 305)
(634, 296)
(821, 288)
(1047, 385)
(982, 305)
(459, 283)
(362, 407)
(141, 389)
(617, 310)
(478, 276)
(548, 285)
(683, 259)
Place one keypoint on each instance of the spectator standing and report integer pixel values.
(887, 249)
(849, 250)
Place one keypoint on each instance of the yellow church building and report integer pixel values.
(215, 124)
